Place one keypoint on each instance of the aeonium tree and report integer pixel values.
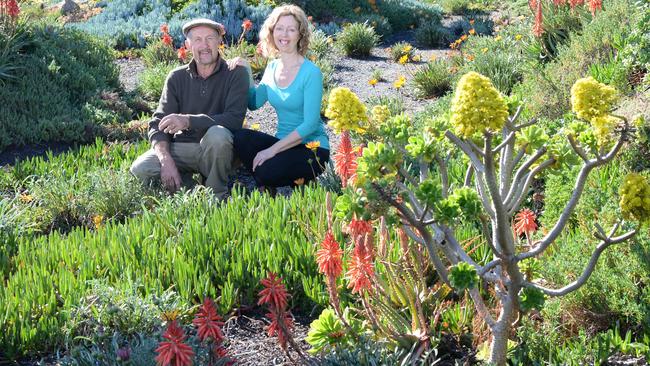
(404, 174)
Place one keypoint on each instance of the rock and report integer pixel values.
(69, 7)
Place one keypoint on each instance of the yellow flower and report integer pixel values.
(484, 50)
(518, 37)
(312, 57)
(469, 57)
(417, 58)
(345, 110)
(463, 37)
(255, 127)
(26, 198)
(477, 105)
(635, 198)
(472, 32)
(399, 82)
(497, 38)
(603, 128)
(222, 46)
(432, 58)
(380, 113)
(407, 48)
(373, 82)
(98, 220)
(313, 145)
(404, 59)
(590, 99)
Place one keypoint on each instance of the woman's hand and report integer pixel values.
(237, 61)
(263, 156)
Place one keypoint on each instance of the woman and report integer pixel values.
(294, 87)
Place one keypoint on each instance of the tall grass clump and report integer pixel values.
(433, 79)
(357, 40)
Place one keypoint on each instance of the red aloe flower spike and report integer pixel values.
(208, 322)
(345, 160)
(174, 352)
(595, 5)
(329, 257)
(359, 228)
(538, 29)
(164, 28)
(525, 222)
(328, 209)
(274, 292)
(182, 53)
(281, 325)
(360, 268)
(13, 10)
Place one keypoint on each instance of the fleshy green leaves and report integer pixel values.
(463, 276)
(325, 331)
(530, 298)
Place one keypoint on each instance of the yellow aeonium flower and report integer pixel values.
(380, 113)
(345, 110)
(477, 105)
(590, 99)
(635, 197)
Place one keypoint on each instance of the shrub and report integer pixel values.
(357, 40)
(378, 22)
(481, 24)
(153, 79)
(61, 70)
(433, 79)
(405, 14)
(158, 52)
(320, 45)
(456, 7)
(432, 35)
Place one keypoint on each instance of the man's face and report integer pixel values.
(204, 43)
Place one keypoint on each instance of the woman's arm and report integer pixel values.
(257, 95)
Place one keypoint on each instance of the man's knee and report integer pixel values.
(217, 138)
(145, 168)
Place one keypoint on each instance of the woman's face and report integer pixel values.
(286, 34)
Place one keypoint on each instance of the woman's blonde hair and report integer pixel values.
(266, 34)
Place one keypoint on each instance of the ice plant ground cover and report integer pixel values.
(417, 253)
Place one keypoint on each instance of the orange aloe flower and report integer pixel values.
(182, 53)
(208, 322)
(595, 5)
(525, 222)
(167, 39)
(174, 352)
(164, 28)
(247, 25)
(274, 292)
(12, 8)
(359, 228)
(360, 269)
(345, 160)
(329, 257)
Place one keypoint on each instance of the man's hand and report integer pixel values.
(169, 175)
(174, 123)
(263, 156)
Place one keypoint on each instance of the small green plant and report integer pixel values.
(153, 79)
(158, 52)
(320, 46)
(357, 40)
(433, 79)
(377, 75)
(432, 35)
(402, 52)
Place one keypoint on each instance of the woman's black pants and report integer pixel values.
(291, 167)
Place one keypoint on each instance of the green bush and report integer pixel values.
(320, 45)
(61, 70)
(401, 49)
(152, 80)
(357, 40)
(432, 35)
(158, 52)
(433, 79)
(378, 22)
(408, 14)
(456, 7)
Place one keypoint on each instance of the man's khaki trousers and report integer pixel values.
(211, 157)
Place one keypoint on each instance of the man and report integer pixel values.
(200, 105)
